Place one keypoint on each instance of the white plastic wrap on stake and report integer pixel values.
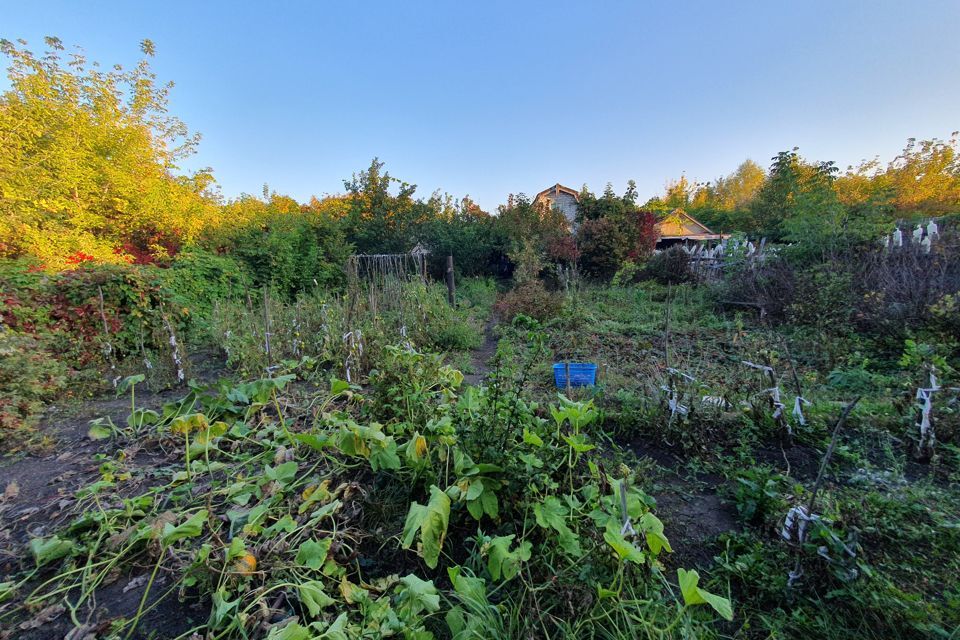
(932, 229)
(798, 403)
(673, 403)
(761, 367)
(174, 350)
(918, 234)
(795, 524)
(897, 237)
(354, 342)
(681, 374)
(778, 406)
(627, 528)
(715, 401)
(925, 395)
(926, 244)
(676, 407)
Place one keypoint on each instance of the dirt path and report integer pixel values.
(480, 359)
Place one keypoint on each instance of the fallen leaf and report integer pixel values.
(137, 582)
(84, 632)
(48, 614)
(12, 491)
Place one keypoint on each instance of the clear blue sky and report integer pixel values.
(489, 98)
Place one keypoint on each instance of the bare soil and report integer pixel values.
(37, 498)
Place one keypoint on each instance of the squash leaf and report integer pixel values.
(431, 521)
(692, 594)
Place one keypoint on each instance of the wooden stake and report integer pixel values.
(451, 286)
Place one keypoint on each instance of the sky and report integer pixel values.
(491, 98)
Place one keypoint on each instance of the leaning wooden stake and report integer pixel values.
(666, 329)
(451, 286)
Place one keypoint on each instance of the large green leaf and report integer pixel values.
(502, 561)
(101, 429)
(223, 608)
(552, 514)
(693, 595)
(190, 528)
(49, 549)
(291, 631)
(652, 528)
(578, 443)
(431, 521)
(416, 595)
(624, 548)
(282, 474)
(313, 553)
(313, 597)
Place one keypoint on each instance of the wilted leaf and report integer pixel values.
(431, 521)
(313, 597)
(49, 549)
(46, 615)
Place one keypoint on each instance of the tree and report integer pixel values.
(89, 161)
(678, 194)
(378, 221)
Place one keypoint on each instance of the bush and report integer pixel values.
(669, 267)
(629, 273)
(29, 377)
(824, 298)
(532, 299)
(602, 245)
(198, 280)
(97, 316)
(292, 253)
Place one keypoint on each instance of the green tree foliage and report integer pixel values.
(461, 229)
(924, 179)
(722, 204)
(283, 245)
(88, 162)
(378, 221)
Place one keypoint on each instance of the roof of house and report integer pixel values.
(557, 189)
(678, 224)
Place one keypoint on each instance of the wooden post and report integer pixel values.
(451, 286)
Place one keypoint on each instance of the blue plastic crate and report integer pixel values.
(582, 374)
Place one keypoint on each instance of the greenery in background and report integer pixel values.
(317, 325)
